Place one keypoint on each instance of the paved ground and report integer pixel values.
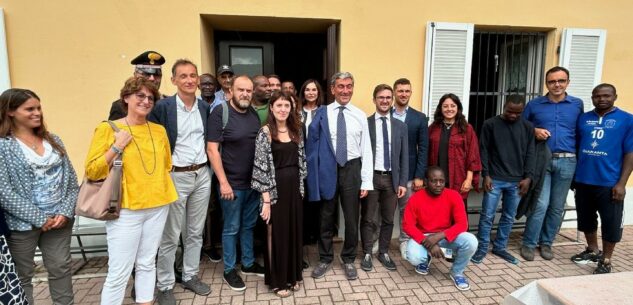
(491, 281)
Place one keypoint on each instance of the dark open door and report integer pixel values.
(331, 58)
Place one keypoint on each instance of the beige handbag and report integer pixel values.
(101, 199)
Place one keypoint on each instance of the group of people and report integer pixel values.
(263, 161)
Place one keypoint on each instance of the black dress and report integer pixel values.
(285, 230)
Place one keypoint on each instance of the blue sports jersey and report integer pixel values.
(602, 144)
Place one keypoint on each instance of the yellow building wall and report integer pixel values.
(76, 54)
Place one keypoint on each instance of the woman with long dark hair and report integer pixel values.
(453, 146)
(311, 96)
(38, 192)
(278, 174)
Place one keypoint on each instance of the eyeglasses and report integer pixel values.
(557, 81)
(141, 97)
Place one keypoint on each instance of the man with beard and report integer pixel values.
(418, 130)
(233, 166)
(147, 64)
(261, 94)
(288, 87)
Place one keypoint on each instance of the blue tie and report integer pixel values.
(385, 144)
(341, 138)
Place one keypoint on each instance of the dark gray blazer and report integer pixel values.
(165, 113)
(399, 150)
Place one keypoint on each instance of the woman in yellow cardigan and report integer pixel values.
(147, 190)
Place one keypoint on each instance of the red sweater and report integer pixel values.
(426, 214)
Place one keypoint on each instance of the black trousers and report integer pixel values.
(347, 191)
(381, 201)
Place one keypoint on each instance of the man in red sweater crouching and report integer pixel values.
(435, 218)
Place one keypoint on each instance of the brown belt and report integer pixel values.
(189, 168)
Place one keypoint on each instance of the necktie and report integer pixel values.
(385, 144)
(341, 138)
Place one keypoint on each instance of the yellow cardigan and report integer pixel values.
(139, 190)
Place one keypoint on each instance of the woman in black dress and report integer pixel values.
(278, 174)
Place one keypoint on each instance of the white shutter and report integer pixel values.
(447, 63)
(5, 81)
(582, 53)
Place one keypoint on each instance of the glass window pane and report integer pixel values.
(247, 60)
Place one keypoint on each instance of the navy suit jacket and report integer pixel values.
(399, 153)
(322, 167)
(418, 129)
(165, 113)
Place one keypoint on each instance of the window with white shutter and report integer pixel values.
(448, 59)
(5, 81)
(582, 53)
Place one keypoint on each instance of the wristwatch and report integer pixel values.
(117, 150)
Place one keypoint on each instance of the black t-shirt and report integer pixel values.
(237, 142)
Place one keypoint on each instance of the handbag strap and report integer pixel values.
(118, 170)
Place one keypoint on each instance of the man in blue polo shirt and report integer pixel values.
(554, 117)
(605, 162)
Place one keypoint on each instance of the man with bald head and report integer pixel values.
(233, 167)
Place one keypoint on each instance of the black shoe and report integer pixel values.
(506, 256)
(197, 286)
(604, 266)
(213, 255)
(305, 265)
(350, 271)
(366, 263)
(586, 256)
(386, 262)
(320, 270)
(234, 280)
(254, 269)
(166, 297)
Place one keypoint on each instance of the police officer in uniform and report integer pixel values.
(148, 64)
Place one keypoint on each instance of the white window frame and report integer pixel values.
(566, 56)
(5, 78)
(429, 55)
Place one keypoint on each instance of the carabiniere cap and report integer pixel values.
(149, 62)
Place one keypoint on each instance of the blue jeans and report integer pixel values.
(240, 216)
(544, 221)
(464, 246)
(509, 193)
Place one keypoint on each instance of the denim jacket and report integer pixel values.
(16, 187)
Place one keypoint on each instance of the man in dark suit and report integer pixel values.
(147, 64)
(391, 172)
(418, 130)
(185, 120)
